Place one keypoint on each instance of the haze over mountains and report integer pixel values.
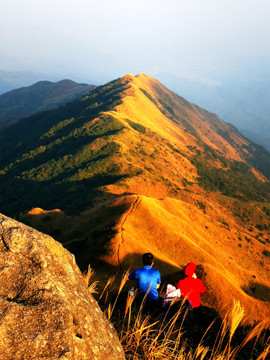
(41, 96)
(10, 80)
(133, 167)
(243, 103)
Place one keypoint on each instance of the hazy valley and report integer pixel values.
(238, 101)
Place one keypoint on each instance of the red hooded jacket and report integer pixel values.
(190, 287)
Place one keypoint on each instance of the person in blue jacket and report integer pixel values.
(148, 279)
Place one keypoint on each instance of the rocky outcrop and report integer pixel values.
(46, 311)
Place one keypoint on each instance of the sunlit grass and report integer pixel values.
(92, 286)
(149, 337)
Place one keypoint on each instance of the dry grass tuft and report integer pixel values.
(236, 315)
(92, 287)
(147, 336)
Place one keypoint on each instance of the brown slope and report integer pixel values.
(228, 254)
(158, 206)
(178, 232)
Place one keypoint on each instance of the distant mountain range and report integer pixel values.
(41, 96)
(243, 103)
(133, 167)
(10, 80)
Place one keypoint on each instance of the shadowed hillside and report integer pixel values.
(133, 167)
(44, 95)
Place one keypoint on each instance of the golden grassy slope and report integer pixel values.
(153, 211)
(176, 232)
(140, 108)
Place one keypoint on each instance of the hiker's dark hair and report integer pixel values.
(148, 259)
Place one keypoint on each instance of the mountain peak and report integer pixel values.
(145, 77)
(141, 79)
(151, 104)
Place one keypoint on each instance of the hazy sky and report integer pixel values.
(196, 39)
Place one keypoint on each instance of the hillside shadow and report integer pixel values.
(19, 196)
(130, 262)
(170, 274)
(134, 260)
(258, 291)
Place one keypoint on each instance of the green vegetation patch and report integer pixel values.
(260, 158)
(266, 210)
(61, 158)
(266, 253)
(146, 93)
(136, 126)
(41, 129)
(168, 106)
(231, 178)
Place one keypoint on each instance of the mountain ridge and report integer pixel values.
(134, 167)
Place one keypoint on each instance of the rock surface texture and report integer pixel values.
(46, 311)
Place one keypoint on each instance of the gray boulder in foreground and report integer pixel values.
(46, 311)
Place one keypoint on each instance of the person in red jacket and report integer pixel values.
(191, 287)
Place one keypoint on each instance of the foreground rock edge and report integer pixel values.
(47, 311)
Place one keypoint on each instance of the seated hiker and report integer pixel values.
(170, 301)
(171, 294)
(148, 279)
(191, 287)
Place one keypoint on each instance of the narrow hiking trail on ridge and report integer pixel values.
(133, 206)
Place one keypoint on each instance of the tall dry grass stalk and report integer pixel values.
(108, 284)
(236, 316)
(92, 286)
(255, 333)
(265, 354)
(122, 284)
(152, 337)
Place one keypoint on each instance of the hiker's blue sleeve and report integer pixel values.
(158, 278)
(132, 276)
